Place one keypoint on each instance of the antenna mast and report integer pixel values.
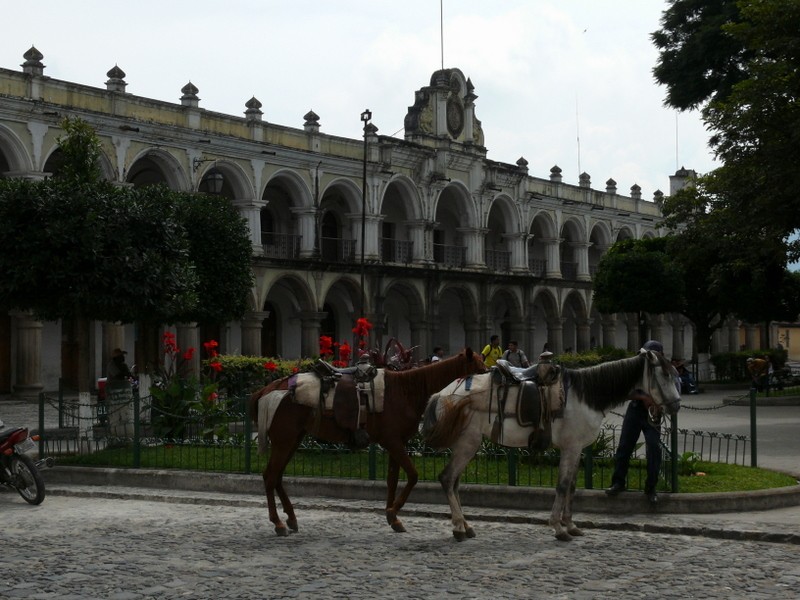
(441, 29)
(578, 132)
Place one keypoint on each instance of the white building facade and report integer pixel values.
(456, 247)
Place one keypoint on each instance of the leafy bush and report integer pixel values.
(592, 357)
(242, 375)
(732, 366)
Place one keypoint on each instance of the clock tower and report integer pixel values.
(445, 109)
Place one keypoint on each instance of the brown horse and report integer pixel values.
(405, 394)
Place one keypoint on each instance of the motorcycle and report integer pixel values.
(18, 470)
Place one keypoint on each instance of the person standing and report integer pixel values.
(437, 355)
(119, 394)
(759, 371)
(491, 351)
(515, 356)
(639, 419)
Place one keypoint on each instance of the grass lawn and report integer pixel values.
(537, 470)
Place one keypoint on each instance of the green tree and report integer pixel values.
(740, 62)
(87, 250)
(221, 252)
(698, 60)
(637, 276)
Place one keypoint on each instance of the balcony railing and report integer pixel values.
(537, 266)
(569, 270)
(498, 260)
(450, 256)
(338, 250)
(397, 251)
(281, 245)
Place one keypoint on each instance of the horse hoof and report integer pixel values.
(460, 536)
(397, 527)
(470, 532)
(575, 531)
(563, 537)
(391, 517)
(281, 531)
(292, 524)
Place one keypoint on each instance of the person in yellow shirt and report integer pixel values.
(492, 351)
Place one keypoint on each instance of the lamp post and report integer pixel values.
(366, 116)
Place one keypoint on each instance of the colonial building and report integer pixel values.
(436, 244)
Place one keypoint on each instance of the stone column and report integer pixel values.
(29, 357)
(584, 330)
(188, 336)
(632, 321)
(250, 209)
(555, 335)
(475, 241)
(307, 229)
(251, 325)
(113, 337)
(657, 333)
(553, 254)
(581, 253)
(518, 242)
(419, 232)
(752, 337)
(609, 327)
(733, 335)
(310, 323)
(678, 341)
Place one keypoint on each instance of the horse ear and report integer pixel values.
(468, 352)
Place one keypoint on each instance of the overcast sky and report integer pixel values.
(566, 82)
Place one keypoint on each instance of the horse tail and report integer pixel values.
(429, 417)
(263, 417)
(267, 407)
(442, 432)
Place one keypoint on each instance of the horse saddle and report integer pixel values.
(351, 392)
(539, 398)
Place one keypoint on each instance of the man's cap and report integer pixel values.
(546, 354)
(653, 345)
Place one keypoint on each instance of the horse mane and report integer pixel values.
(606, 385)
(415, 386)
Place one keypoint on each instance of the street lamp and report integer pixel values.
(366, 116)
(214, 180)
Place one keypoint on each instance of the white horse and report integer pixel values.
(459, 419)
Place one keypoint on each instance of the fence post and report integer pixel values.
(512, 466)
(753, 449)
(248, 438)
(41, 424)
(60, 403)
(588, 468)
(373, 462)
(673, 443)
(137, 441)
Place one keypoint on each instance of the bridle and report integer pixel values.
(655, 412)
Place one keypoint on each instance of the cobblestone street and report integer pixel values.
(77, 547)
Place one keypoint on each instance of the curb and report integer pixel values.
(473, 495)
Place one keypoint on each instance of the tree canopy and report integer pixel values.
(85, 248)
(637, 276)
(739, 62)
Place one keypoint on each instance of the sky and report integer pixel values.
(559, 82)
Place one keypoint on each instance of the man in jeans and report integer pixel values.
(638, 420)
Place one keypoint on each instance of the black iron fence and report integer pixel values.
(138, 434)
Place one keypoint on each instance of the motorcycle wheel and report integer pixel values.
(26, 479)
